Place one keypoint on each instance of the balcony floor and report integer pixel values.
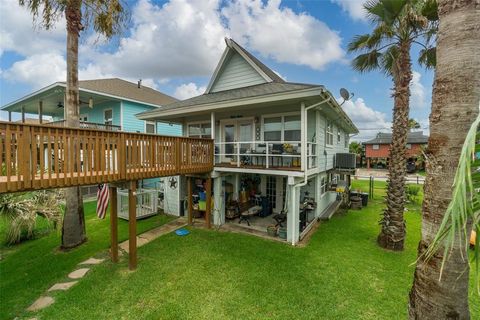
(258, 167)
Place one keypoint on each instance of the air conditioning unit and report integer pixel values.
(345, 160)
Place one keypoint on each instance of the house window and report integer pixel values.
(323, 186)
(150, 127)
(292, 127)
(409, 146)
(375, 147)
(272, 129)
(346, 140)
(108, 117)
(200, 130)
(329, 133)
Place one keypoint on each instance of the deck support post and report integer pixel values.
(40, 111)
(132, 226)
(9, 116)
(113, 224)
(208, 206)
(190, 200)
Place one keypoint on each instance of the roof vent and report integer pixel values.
(139, 84)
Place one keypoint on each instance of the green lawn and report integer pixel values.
(29, 269)
(341, 274)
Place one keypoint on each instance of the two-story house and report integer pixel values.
(105, 104)
(275, 143)
(377, 150)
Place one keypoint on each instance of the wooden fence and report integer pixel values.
(40, 156)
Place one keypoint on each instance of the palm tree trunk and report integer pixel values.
(392, 235)
(456, 94)
(73, 231)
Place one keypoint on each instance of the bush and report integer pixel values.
(412, 191)
(20, 212)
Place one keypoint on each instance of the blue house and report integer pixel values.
(108, 104)
(105, 104)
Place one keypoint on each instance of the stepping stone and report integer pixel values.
(41, 303)
(79, 273)
(62, 286)
(92, 261)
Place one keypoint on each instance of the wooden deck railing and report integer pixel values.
(41, 156)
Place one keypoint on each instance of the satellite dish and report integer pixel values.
(345, 95)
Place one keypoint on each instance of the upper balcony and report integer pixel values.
(266, 155)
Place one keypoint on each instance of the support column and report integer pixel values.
(303, 135)
(208, 206)
(368, 163)
(236, 186)
(293, 215)
(9, 116)
(190, 200)
(212, 125)
(219, 202)
(132, 226)
(40, 111)
(113, 224)
(318, 190)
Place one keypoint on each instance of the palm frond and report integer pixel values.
(463, 206)
(387, 11)
(359, 42)
(428, 57)
(388, 60)
(430, 10)
(367, 62)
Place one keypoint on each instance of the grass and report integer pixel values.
(27, 270)
(341, 274)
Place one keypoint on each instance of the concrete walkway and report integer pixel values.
(83, 267)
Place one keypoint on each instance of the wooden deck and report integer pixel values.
(36, 157)
(259, 167)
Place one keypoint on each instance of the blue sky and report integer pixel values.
(174, 46)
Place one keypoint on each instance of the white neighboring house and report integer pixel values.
(288, 135)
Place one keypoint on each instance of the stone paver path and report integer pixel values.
(79, 273)
(92, 261)
(41, 303)
(142, 239)
(62, 286)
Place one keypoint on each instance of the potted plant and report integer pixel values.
(272, 231)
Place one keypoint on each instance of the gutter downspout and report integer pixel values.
(304, 114)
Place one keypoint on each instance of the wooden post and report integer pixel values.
(23, 114)
(208, 207)
(132, 226)
(190, 200)
(113, 224)
(40, 111)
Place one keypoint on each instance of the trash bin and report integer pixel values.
(364, 196)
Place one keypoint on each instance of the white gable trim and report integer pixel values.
(231, 49)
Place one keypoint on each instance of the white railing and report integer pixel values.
(265, 154)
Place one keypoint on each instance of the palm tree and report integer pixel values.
(398, 25)
(107, 17)
(455, 101)
(413, 124)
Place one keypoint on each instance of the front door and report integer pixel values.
(236, 134)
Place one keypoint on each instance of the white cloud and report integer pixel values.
(353, 7)
(368, 120)
(19, 34)
(280, 33)
(417, 90)
(37, 70)
(188, 90)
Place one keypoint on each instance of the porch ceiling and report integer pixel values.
(50, 97)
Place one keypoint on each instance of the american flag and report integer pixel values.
(102, 200)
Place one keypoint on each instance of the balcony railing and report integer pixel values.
(278, 155)
(87, 125)
(41, 156)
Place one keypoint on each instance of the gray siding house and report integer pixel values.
(275, 143)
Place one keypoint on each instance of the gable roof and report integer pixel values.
(126, 89)
(264, 73)
(413, 137)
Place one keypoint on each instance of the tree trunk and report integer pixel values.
(73, 231)
(456, 94)
(392, 235)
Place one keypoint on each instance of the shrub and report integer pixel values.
(412, 191)
(20, 212)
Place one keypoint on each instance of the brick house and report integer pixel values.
(377, 150)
